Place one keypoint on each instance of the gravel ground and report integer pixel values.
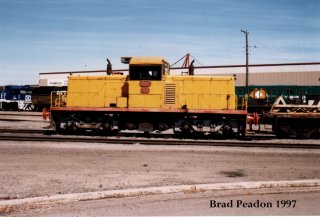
(29, 169)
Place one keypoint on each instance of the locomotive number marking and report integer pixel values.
(144, 90)
(145, 87)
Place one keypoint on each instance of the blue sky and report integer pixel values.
(67, 35)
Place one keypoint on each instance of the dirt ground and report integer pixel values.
(29, 169)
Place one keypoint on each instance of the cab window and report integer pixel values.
(145, 72)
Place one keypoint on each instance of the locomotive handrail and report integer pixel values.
(51, 99)
(244, 102)
(236, 101)
(60, 101)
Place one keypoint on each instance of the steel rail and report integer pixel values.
(145, 141)
(30, 131)
(36, 114)
(19, 119)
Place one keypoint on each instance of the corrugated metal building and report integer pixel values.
(280, 78)
(301, 78)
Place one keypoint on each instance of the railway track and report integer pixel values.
(20, 113)
(21, 116)
(47, 131)
(48, 135)
(29, 131)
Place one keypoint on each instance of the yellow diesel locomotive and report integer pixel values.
(150, 99)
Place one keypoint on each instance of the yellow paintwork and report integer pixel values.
(173, 92)
(206, 92)
(196, 92)
(122, 102)
(147, 61)
(145, 101)
(153, 99)
(94, 91)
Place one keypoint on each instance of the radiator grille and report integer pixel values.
(170, 94)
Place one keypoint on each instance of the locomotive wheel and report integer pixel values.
(241, 132)
(146, 134)
(185, 134)
(56, 127)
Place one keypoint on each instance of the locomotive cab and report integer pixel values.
(146, 80)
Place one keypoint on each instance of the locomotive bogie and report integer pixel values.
(84, 120)
(212, 124)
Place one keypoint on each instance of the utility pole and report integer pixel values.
(247, 57)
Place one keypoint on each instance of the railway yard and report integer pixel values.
(134, 173)
(159, 108)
